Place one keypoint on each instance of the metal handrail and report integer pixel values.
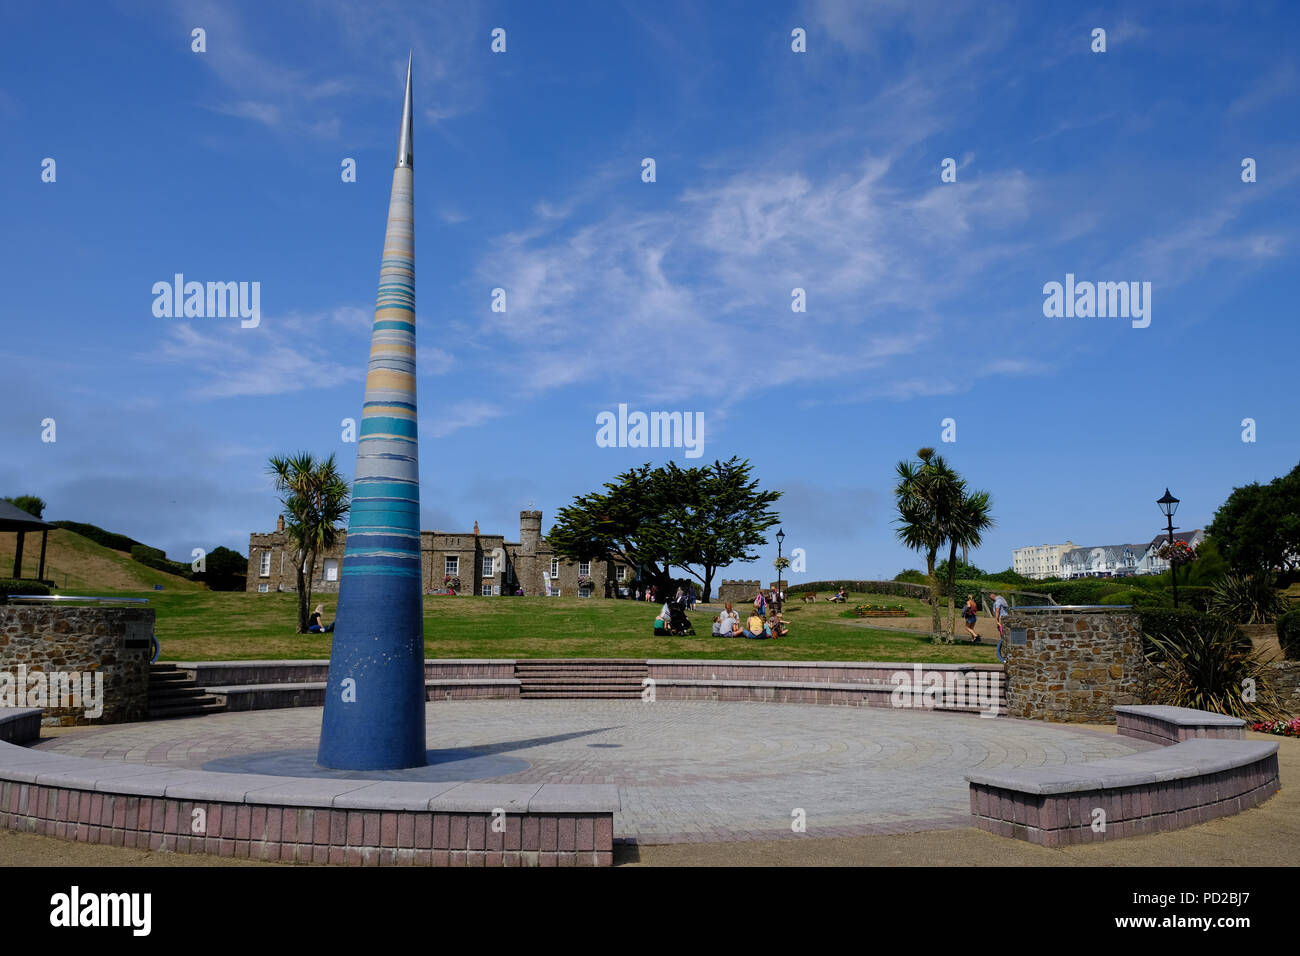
(56, 598)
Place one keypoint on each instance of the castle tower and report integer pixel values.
(374, 701)
(530, 532)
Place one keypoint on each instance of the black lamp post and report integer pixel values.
(1169, 504)
(780, 539)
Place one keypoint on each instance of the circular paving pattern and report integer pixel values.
(686, 771)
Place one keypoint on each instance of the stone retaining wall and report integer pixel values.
(82, 640)
(1285, 677)
(1074, 664)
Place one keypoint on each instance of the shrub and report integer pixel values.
(1138, 598)
(1206, 669)
(1014, 580)
(1195, 597)
(1248, 598)
(10, 586)
(1167, 622)
(1288, 634)
(890, 588)
(156, 559)
(911, 576)
(118, 542)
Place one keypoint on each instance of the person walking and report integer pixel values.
(968, 614)
(999, 612)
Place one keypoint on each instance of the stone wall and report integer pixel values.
(1073, 665)
(85, 641)
(738, 592)
(1285, 677)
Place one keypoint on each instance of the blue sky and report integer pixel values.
(774, 170)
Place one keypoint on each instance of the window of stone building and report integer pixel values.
(263, 588)
(489, 566)
(485, 591)
(265, 570)
(555, 567)
(584, 592)
(622, 572)
(584, 568)
(452, 565)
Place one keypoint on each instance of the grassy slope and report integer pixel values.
(77, 563)
(215, 625)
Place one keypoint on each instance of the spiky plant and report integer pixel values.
(1248, 598)
(1208, 669)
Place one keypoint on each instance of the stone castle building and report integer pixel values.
(483, 564)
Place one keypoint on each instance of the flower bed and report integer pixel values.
(1283, 728)
(878, 610)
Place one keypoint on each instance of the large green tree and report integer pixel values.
(1258, 527)
(698, 519)
(315, 499)
(716, 514)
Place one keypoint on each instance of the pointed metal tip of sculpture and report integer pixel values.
(405, 157)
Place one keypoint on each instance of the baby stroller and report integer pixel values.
(678, 623)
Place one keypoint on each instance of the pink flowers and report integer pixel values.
(1283, 728)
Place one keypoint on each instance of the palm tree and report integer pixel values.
(315, 499)
(966, 524)
(926, 499)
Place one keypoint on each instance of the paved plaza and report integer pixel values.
(687, 772)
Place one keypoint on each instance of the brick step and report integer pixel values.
(175, 693)
(557, 688)
(177, 679)
(579, 675)
(579, 661)
(576, 671)
(584, 695)
(202, 705)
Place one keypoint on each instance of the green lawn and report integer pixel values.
(216, 625)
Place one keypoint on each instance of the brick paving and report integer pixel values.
(687, 772)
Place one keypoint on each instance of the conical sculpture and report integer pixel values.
(374, 702)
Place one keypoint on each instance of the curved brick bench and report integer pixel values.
(19, 725)
(265, 685)
(1171, 725)
(850, 683)
(306, 820)
(1202, 777)
(241, 697)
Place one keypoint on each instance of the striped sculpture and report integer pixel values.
(374, 704)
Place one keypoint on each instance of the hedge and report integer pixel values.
(118, 542)
(892, 588)
(10, 586)
(156, 559)
(1288, 634)
(1166, 622)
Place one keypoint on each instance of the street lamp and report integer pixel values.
(1169, 504)
(780, 539)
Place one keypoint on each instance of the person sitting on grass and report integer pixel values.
(661, 622)
(756, 629)
(840, 597)
(727, 623)
(776, 626)
(316, 623)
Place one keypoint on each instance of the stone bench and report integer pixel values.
(1170, 725)
(857, 694)
(243, 697)
(1168, 788)
(306, 820)
(19, 725)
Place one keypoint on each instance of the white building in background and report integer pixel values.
(1043, 561)
(1151, 564)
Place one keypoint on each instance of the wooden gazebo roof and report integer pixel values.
(13, 518)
